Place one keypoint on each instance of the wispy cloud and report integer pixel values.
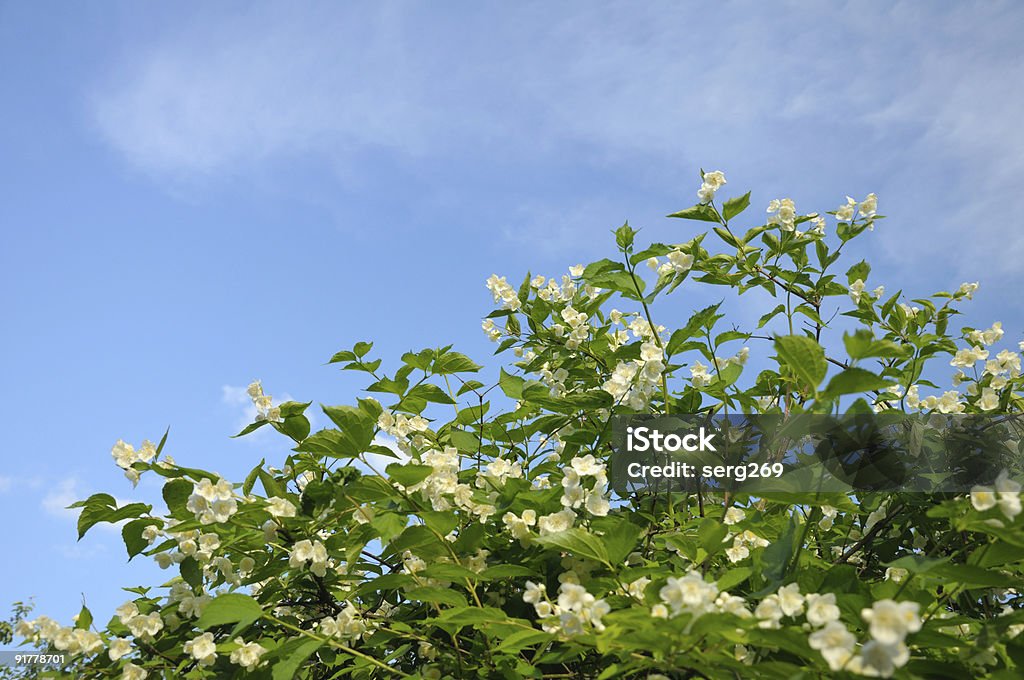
(57, 499)
(902, 94)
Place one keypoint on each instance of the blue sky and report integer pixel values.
(198, 195)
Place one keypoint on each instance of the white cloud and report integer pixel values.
(57, 499)
(893, 91)
(5, 484)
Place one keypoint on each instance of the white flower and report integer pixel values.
(555, 522)
(869, 206)
(1008, 493)
(133, 672)
(690, 593)
(533, 593)
(844, 213)
(821, 609)
(713, 181)
(734, 515)
(967, 289)
(145, 626)
(791, 602)
(248, 654)
(856, 291)
(989, 399)
(126, 612)
(280, 507)
(119, 647)
(203, 649)
(895, 574)
(878, 659)
(597, 502)
(891, 621)
(835, 643)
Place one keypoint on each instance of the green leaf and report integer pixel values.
(191, 573)
(511, 385)
(863, 345)
(230, 608)
(854, 381)
(430, 392)
(734, 577)
(92, 515)
(134, 543)
(176, 493)
(356, 429)
(621, 540)
(453, 362)
(578, 542)
(624, 236)
(293, 654)
(84, 618)
(408, 475)
(804, 356)
(770, 315)
(522, 639)
(703, 213)
(858, 271)
(389, 525)
(734, 206)
(436, 595)
(700, 321)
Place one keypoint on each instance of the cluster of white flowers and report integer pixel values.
(265, 409)
(701, 375)
(496, 473)
(782, 212)
(503, 292)
(347, 625)
(492, 330)
(889, 624)
(713, 181)
(692, 594)
(967, 290)
(678, 263)
(125, 454)
(142, 626)
(400, 426)
(741, 545)
(1005, 493)
(519, 525)
(787, 601)
(248, 654)
(634, 382)
(211, 502)
(948, 403)
(867, 209)
(189, 604)
(443, 489)
(594, 499)
(312, 552)
(987, 337)
(578, 324)
(63, 638)
(828, 517)
(575, 612)
(857, 291)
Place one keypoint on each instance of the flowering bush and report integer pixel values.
(491, 545)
